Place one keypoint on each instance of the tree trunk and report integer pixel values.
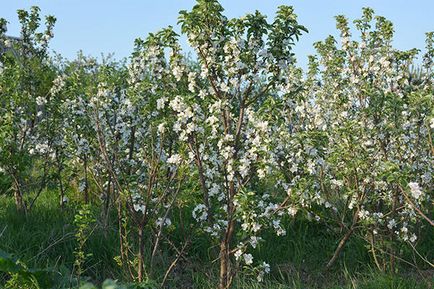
(226, 271)
(340, 247)
(140, 268)
(224, 265)
(86, 184)
(59, 176)
(19, 202)
(18, 195)
(106, 211)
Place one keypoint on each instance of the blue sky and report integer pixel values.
(104, 26)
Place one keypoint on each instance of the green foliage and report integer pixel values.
(20, 276)
(83, 221)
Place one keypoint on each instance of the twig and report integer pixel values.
(4, 229)
(423, 258)
(415, 207)
(158, 236)
(173, 264)
(63, 238)
(374, 255)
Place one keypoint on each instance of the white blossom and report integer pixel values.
(415, 190)
(248, 259)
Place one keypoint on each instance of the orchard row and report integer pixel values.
(238, 136)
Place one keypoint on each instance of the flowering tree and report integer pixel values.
(242, 64)
(25, 82)
(80, 78)
(365, 154)
(139, 152)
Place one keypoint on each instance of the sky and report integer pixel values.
(107, 26)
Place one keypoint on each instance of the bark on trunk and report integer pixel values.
(19, 202)
(226, 271)
(224, 265)
(18, 195)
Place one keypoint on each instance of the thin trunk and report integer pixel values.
(141, 268)
(224, 265)
(18, 195)
(86, 185)
(226, 271)
(62, 190)
(106, 213)
(123, 245)
(121, 235)
(344, 240)
(59, 179)
(392, 255)
(340, 247)
(19, 202)
(41, 188)
(131, 148)
(160, 230)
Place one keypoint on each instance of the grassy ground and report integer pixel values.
(45, 239)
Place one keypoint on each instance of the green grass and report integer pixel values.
(45, 239)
